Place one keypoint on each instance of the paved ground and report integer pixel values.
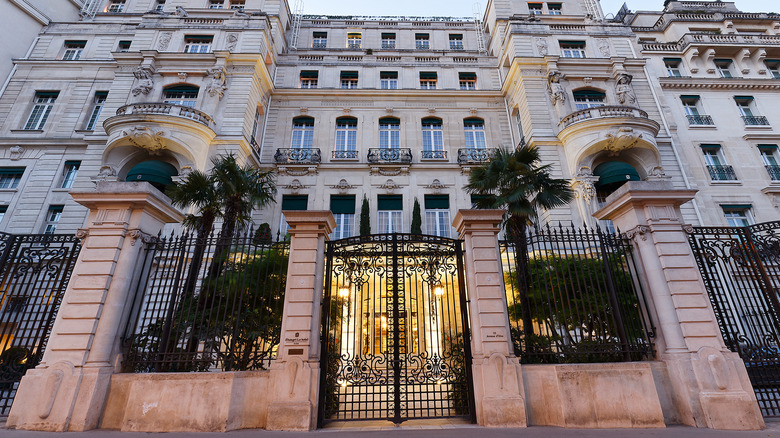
(424, 431)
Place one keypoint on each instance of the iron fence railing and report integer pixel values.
(298, 156)
(574, 296)
(699, 119)
(722, 173)
(390, 156)
(474, 155)
(755, 120)
(208, 304)
(773, 171)
(433, 155)
(345, 155)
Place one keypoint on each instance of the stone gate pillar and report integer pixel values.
(68, 390)
(710, 384)
(295, 374)
(498, 381)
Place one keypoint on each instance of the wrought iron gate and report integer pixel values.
(740, 267)
(34, 272)
(395, 332)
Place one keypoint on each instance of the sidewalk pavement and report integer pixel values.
(423, 431)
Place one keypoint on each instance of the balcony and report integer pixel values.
(433, 155)
(722, 173)
(755, 120)
(601, 112)
(345, 155)
(773, 171)
(699, 120)
(306, 156)
(168, 109)
(473, 155)
(401, 156)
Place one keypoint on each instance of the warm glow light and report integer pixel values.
(438, 291)
(344, 292)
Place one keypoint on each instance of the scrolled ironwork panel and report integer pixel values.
(395, 340)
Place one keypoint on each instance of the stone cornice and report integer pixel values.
(719, 83)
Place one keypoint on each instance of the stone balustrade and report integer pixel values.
(168, 109)
(602, 112)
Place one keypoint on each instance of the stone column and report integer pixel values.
(295, 374)
(68, 390)
(498, 381)
(710, 384)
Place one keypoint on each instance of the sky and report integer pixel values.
(464, 8)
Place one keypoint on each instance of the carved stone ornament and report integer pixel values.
(165, 40)
(106, 173)
(181, 12)
(232, 41)
(639, 230)
(16, 152)
(584, 184)
(145, 138)
(436, 186)
(624, 90)
(390, 186)
(541, 46)
(657, 173)
(603, 46)
(620, 140)
(182, 75)
(82, 234)
(555, 88)
(145, 84)
(295, 186)
(217, 86)
(343, 186)
(136, 234)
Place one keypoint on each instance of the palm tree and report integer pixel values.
(514, 179)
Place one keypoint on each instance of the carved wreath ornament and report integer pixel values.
(146, 138)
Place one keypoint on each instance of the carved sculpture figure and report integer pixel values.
(555, 88)
(217, 85)
(541, 45)
(624, 90)
(145, 81)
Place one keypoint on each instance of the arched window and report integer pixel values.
(433, 134)
(303, 133)
(474, 129)
(346, 134)
(389, 133)
(186, 95)
(588, 98)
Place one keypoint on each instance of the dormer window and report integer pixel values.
(216, 4)
(456, 41)
(388, 41)
(319, 40)
(198, 43)
(309, 78)
(724, 68)
(354, 40)
(554, 8)
(573, 49)
(535, 8)
(773, 65)
(73, 50)
(349, 79)
(673, 67)
(422, 41)
(428, 80)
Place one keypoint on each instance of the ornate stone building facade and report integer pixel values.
(393, 109)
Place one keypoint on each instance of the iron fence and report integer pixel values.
(574, 296)
(208, 304)
(34, 273)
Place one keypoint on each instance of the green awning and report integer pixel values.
(672, 59)
(589, 93)
(467, 76)
(11, 170)
(710, 146)
(388, 36)
(572, 43)
(181, 89)
(388, 74)
(201, 38)
(309, 74)
(768, 146)
(390, 202)
(47, 93)
(743, 97)
(456, 36)
(437, 202)
(613, 172)
(320, 34)
(155, 172)
(389, 121)
(421, 36)
(689, 96)
(431, 121)
(428, 75)
(78, 163)
(735, 206)
(349, 74)
(294, 202)
(342, 204)
(473, 121)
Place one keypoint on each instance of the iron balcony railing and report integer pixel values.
(298, 156)
(345, 155)
(604, 111)
(699, 119)
(169, 109)
(434, 155)
(774, 172)
(390, 156)
(722, 173)
(755, 120)
(473, 155)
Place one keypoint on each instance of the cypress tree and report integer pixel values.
(416, 218)
(365, 220)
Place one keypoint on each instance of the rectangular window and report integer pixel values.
(256, 124)
(123, 46)
(52, 219)
(769, 157)
(3, 209)
(182, 95)
(388, 41)
(573, 49)
(349, 79)
(343, 209)
(319, 40)
(433, 136)
(346, 134)
(724, 67)
(389, 133)
(10, 177)
(97, 108)
(468, 81)
(43, 104)
(437, 215)
(673, 67)
(738, 215)
(388, 80)
(354, 40)
(159, 5)
(69, 173)
(198, 43)
(555, 8)
(73, 50)
(303, 133)
(773, 65)
(390, 213)
(237, 4)
(115, 6)
(474, 130)
(584, 99)
(428, 80)
(716, 164)
(422, 41)
(216, 4)
(744, 105)
(535, 8)
(456, 41)
(292, 203)
(309, 78)
(691, 107)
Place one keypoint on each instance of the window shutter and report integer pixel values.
(294, 202)
(342, 204)
(390, 202)
(437, 202)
